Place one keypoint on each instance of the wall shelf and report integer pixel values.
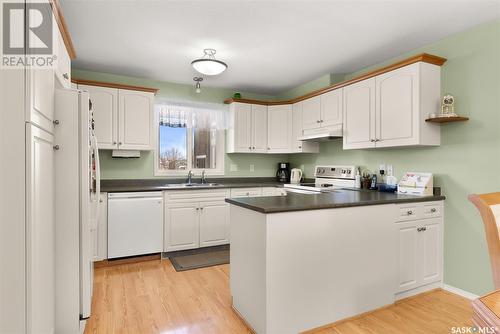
(441, 120)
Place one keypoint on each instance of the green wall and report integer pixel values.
(468, 158)
(264, 165)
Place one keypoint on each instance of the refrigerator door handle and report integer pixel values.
(97, 181)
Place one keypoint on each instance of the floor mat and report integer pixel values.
(200, 258)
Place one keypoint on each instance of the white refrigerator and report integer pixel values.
(77, 185)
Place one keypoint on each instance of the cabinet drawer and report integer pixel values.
(431, 210)
(246, 192)
(185, 196)
(408, 213)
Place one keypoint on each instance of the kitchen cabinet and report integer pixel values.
(311, 113)
(124, 118)
(181, 227)
(420, 245)
(246, 192)
(259, 128)
(105, 108)
(135, 120)
(279, 129)
(273, 191)
(389, 110)
(214, 223)
(247, 132)
(359, 115)
(63, 66)
(195, 218)
(322, 111)
(299, 146)
(40, 230)
(40, 98)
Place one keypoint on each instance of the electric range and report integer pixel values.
(327, 179)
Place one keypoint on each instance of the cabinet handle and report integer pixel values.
(376, 140)
(253, 147)
(424, 228)
(66, 76)
(419, 229)
(372, 140)
(56, 122)
(197, 209)
(100, 201)
(249, 147)
(409, 212)
(318, 121)
(56, 147)
(248, 194)
(300, 146)
(433, 210)
(119, 143)
(114, 143)
(321, 121)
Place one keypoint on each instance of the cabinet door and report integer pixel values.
(331, 108)
(63, 68)
(242, 127)
(409, 256)
(431, 250)
(214, 224)
(397, 109)
(297, 126)
(311, 113)
(135, 120)
(40, 230)
(259, 128)
(40, 98)
(181, 229)
(279, 129)
(359, 115)
(105, 108)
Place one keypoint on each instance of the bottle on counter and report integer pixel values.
(357, 179)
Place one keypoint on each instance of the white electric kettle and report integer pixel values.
(295, 175)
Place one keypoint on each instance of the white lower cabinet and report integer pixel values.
(420, 243)
(195, 219)
(214, 224)
(181, 229)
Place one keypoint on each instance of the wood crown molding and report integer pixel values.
(63, 28)
(114, 85)
(424, 57)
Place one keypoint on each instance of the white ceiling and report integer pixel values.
(270, 46)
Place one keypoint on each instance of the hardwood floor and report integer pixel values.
(151, 297)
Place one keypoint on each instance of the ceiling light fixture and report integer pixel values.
(208, 65)
(198, 85)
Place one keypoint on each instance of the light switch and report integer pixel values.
(233, 168)
(252, 168)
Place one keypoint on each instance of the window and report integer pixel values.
(189, 139)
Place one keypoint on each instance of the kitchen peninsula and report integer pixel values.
(303, 261)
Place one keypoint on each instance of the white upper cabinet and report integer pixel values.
(40, 98)
(259, 128)
(247, 131)
(297, 131)
(135, 120)
(279, 128)
(124, 119)
(402, 99)
(331, 108)
(63, 68)
(359, 115)
(105, 108)
(311, 113)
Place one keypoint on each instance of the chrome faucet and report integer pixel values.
(203, 178)
(190, 176)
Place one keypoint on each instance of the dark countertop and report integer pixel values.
(134, 185)
(337, 199)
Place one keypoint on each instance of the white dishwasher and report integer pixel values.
(135, 223)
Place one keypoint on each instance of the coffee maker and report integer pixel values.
(283, 172)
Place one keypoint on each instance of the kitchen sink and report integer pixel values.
(193, 185)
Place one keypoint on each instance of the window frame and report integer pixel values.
(220, 154)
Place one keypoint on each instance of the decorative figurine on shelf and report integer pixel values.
(448, 106)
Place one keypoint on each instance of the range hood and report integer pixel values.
(322, 134)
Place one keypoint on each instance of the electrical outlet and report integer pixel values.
(302, 167)
(233, 168)
(252, 168)
(382, 169)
